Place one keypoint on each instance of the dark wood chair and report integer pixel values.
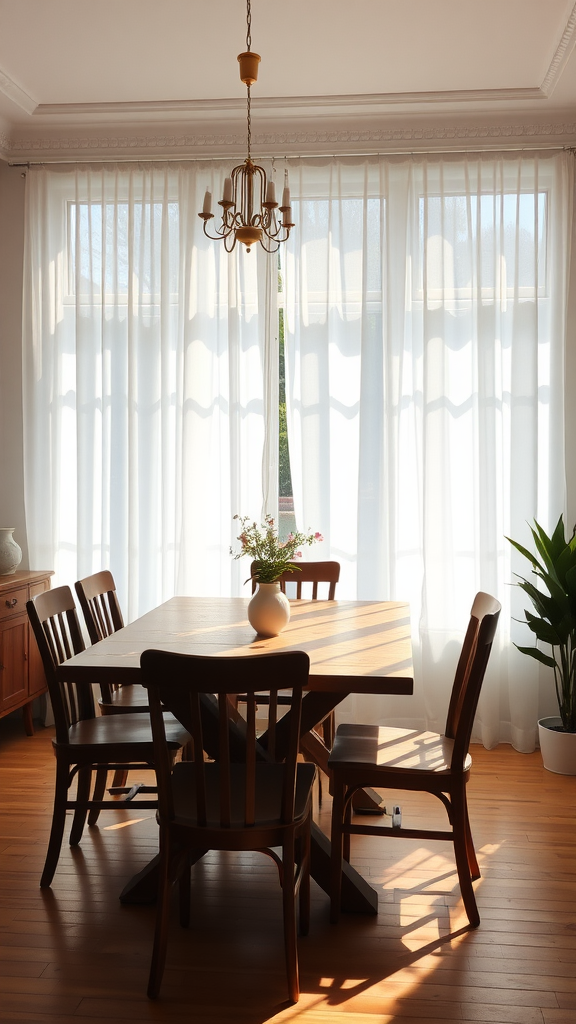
(307, 572)
(103, 616)
(405, 759)
(85, 744)
(245, 800)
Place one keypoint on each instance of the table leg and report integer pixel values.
(143, 887)
(365, 801)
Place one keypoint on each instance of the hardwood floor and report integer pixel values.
(73, 953)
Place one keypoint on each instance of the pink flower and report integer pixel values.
(298, 554)
(318, 536)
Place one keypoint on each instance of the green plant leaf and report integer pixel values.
(524, 551)
(546, 607)
(550, 547)
(538, 655)
(543, 631)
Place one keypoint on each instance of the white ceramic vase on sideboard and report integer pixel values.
(10, 552)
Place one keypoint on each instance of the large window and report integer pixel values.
(399, 377)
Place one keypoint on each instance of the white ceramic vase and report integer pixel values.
(10, 553)
(558, 748)
(269, 610)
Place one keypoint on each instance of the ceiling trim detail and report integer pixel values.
(223, 107)
(185, 144)
(561, 56)
(16, 94)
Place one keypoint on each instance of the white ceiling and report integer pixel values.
(83, 76)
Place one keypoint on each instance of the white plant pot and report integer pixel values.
(558, 748)
(269, 610)
(10, 552)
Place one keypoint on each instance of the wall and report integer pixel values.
(12, 188)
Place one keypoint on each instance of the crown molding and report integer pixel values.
(16, 94)
(285, 139)
(561, 56)
(217, 109)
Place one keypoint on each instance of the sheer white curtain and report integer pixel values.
(147, 369)
(425, 322)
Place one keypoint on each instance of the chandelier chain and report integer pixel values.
(249, 24)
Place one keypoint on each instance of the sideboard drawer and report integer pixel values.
(13, 602)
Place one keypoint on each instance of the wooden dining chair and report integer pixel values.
(84, 744)
(406, 759)
(306, 572)
(103, 616)
(313, 573)
(244, 800)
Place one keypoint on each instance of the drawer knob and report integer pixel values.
(12, 603)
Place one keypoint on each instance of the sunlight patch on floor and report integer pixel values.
(125, 824)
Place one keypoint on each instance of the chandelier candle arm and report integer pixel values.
(248, 201)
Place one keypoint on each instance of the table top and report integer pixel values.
(354, 646)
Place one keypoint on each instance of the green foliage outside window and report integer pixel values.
(285, 479)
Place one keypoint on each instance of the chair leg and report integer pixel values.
(98, 794)
(472, 859)
(346, 836)
(304, 893)
(184, 893)
(289, 907)
(162, 921)
(120, 777)
(58, 822)
(82, 798)
(328, 730)
(462, 857)
(336, 844)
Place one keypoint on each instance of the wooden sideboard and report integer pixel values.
(21, 674)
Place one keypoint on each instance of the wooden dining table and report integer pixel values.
(353, 646)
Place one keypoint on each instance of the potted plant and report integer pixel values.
(553, 623)
(269, 609)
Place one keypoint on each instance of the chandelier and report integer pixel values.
(249, 200)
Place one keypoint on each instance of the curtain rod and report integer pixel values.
(293, 156)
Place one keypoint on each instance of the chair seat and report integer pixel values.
(393, 749)
(123, 731)
(127, 699)
(268, 794)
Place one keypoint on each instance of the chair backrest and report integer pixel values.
(99, 604)
(470, 674)
(308, 572)
(56, 627)
(187, 684)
